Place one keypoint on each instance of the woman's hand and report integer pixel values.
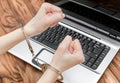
(47, 16)
(68, 54)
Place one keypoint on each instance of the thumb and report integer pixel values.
(78, 50)
(66, 42)
(77, 46)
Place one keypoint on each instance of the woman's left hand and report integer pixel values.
(47, 16)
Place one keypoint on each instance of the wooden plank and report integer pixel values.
(21, 11)
(2, 32)
(7, 17)
(115, 66)
(102, 79)
(17, 11)
(115, 71)
(110, 77)
(37, 3)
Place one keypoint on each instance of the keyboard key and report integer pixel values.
(51, 45)
(94, 67)
(86, 59)
(89, 64)
(91, 60)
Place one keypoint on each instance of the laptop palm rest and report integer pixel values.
(76, 74)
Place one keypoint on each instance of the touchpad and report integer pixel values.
(43, 57)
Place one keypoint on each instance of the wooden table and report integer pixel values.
(12, 11)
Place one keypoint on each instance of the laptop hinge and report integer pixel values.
(118, 38)
(114, 37)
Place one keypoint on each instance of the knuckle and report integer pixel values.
(83, 59)
(60, 9)
(45, 4)
(60, 16)
(80, 58)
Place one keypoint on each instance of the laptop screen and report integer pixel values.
(110, 4)
(91, 15)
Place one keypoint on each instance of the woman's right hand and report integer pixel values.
(68, 54)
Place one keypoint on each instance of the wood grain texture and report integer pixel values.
(14, 11)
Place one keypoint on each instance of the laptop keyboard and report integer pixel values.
(94, 51)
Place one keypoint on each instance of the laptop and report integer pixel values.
(97, 29)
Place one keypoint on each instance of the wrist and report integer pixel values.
(54, 74)
(50, 75)
(48, 66)
(28, 29)
(57, 66)
(35, 26)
